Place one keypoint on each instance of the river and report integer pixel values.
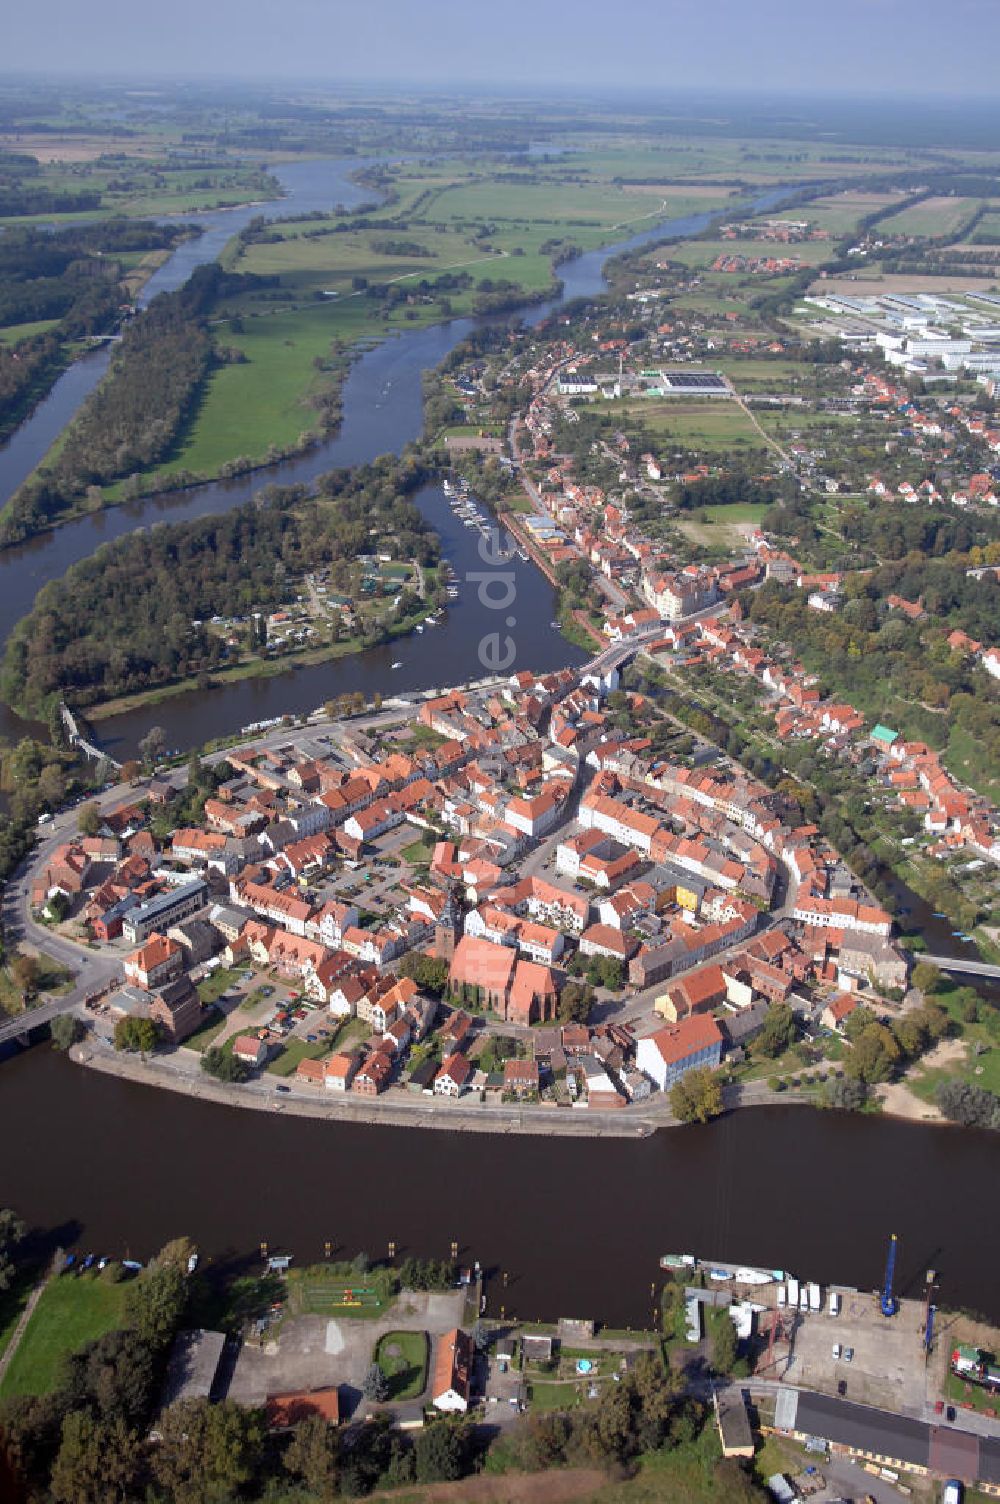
(577, 1224)
(382, 412)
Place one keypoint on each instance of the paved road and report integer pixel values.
(614, 593)
(960, 963)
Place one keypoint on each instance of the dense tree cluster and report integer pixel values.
(71, 277)
(85, 1440)
(879, 1049)
(427, 1274)
(898, 670)
(135, 614)
(969, 1105)
(132, 420)
(429, 972)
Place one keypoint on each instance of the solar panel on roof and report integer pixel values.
(689, 380)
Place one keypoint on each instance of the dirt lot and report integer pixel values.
(898, 1098)
(888, 1364)
(870, 287)
(566, 1486)
(312, 1352)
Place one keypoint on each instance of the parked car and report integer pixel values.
(836, 1349)
(848, 1354)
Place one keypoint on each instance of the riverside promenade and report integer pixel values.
(394, 1109)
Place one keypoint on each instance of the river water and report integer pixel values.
(577, 1224)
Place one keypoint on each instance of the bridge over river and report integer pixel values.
(971, 965)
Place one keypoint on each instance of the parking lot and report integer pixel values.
(504, 1393)
(887, 1364)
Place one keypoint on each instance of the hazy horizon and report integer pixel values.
(884, 49)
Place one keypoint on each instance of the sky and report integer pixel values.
(871, 47)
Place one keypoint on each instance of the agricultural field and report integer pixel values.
(870, 286)
(987, 231)
(934, 217)
(702, 253)
(315, 265)
(840, 213)
(262, 400)
(140, 187)
(565, 205)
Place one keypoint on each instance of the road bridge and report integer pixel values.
(972, 965)
(78, 740)
(21, 1024)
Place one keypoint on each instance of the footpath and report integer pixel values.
(26, 1315)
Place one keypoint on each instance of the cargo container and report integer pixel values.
(781, 1297)
(815, 1298)
(793, 1293)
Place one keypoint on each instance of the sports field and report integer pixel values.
(316, 1293)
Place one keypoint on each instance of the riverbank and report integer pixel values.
(418, 1112)
(895, 1102)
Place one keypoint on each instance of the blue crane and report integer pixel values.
(888, 1301)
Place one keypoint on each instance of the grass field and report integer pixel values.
(402, 1357)
(362, 1297)
(709, 425)
(973, 761)
(218, 982)
(72, 1310)
(722, 527)
(202, 1037)
(419, 851)
(51, 978)
(263, 401)
(286, 1063)
(933, 217)
(13, 1301)
(15, 332)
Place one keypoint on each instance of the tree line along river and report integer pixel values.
(577, 1224)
